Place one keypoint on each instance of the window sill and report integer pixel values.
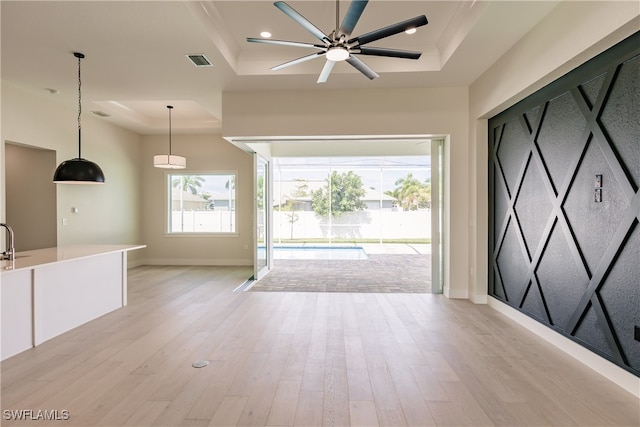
(204, 234)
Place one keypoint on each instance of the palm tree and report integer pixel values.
(190, 183)
(411, 193)
(231, 186)
(231, 183)
(211, 204)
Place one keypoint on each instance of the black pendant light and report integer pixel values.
(78, 170)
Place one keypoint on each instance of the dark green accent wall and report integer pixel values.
(564, 208)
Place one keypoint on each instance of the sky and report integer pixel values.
(368, 168)
(317, 169)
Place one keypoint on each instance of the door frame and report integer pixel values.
(437, 215)
(262, 248)
(439, 144)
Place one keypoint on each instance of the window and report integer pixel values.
(201, 203)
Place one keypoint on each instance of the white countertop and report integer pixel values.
(38, 257)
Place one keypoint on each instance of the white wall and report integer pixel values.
(109, 213)
(570, 35)
(422, 111)
(204, 153)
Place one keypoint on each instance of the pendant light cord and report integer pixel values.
(79, 56)
(170, 107)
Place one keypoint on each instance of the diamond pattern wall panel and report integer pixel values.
(621, 301)
(604, 218)
(564, 220)
(561, 135)
(563, 283)
(533, 207)
(622, 124)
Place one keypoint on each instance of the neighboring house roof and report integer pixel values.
(373, 194)
(186, 196)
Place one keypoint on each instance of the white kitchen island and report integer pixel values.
(47, 292)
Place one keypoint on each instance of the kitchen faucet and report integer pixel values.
(10, 253)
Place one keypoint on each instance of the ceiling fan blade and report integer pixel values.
(372, 36)
(326, 70)
(293, 14)
(394, 53)
(362, 67)
(285, 43)
(351, 18)
(297, 61)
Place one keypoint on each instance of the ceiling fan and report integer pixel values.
(338, 46)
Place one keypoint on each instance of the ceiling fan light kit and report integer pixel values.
(337, 54)
(338, 46)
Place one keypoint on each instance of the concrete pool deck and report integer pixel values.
(397, 248)
(370, 248)
(398, 268)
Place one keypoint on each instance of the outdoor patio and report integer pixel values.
(389, 268)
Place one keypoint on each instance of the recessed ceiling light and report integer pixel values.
(410, 30)
(199, 60)
(265, 35)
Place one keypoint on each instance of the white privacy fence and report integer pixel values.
(215, 221)
(368, 224)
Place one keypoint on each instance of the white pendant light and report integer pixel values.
(78, 170)
(169, 161)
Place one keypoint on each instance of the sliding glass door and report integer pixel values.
(262, 249)
(437, 215)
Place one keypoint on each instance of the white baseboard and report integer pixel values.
(479, 299)
(196, 261)
(609, 370)
(135, 263)
(456, 293)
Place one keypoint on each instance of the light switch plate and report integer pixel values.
(598, 183)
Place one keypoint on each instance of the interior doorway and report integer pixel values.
(30, 196)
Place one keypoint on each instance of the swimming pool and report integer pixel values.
(318, 252)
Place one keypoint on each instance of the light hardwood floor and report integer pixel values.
(303, 359)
